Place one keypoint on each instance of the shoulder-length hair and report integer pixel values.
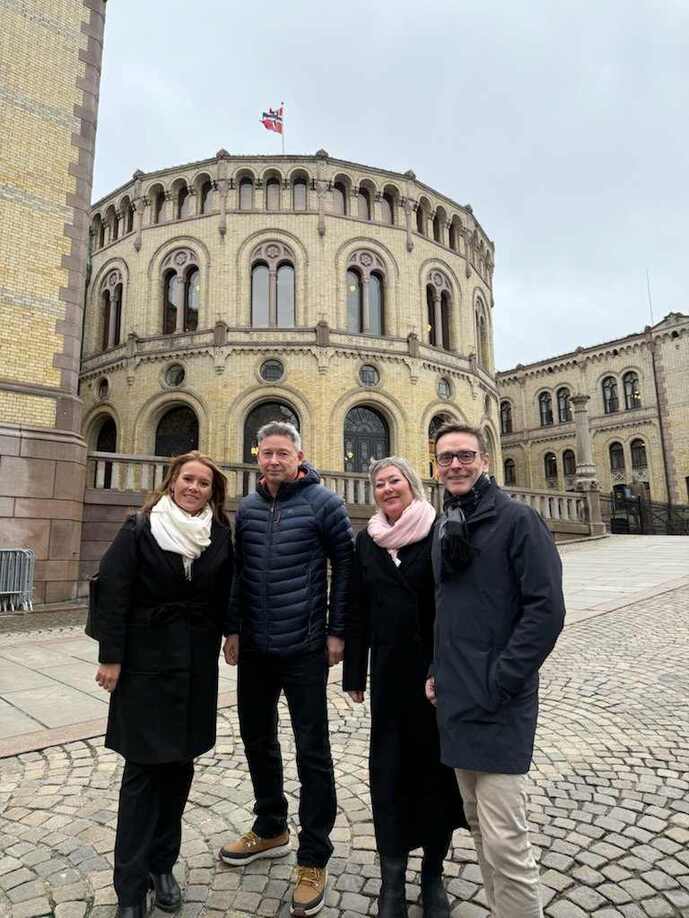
(404, 468)
(218, 489)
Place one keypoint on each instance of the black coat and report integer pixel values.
(415, 798)
(165, 631)
(497, 621)
(283, 544)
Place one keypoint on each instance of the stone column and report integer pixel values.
(586, 474)
(179, 303)
(407, 205)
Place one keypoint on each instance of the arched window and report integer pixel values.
(260, 415)
(339, 198)
(545, 409)
(564, 409)
(638, 451)
(273, 194)
(157, 204)
(616, 457)
(610, 401)
(111, 224)
(505, 417)
(482, 350)
(177, 432)
(550, 469)
(387, 208)
(181, 292)
(366, 437)
(246, 193)
(285, 295)
(299, 193)
(106, 442)
(436, 423)
(355, 302)
(365, 294)
(111, 300)
(438, 309)
(436, 227)
(272, 286)
(185, 203)
(569, 463)
(510, 473)
(452, 236)
(207, 197)
(632, 393)
(364, 204)
(192, 283)
(420, 219)
(126, 215)
(260, 295)
(375, 304)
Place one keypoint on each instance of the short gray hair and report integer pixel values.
(404, 468)
(280, 429)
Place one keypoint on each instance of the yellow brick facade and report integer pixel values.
(658, 418)
(19, 409)
(321, 381)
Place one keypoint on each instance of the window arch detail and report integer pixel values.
(177, 432)
(611, 402)
(181, 292)
(272, 286)
(632, 392)
(545, 409)
(564, 408)
(510, 473)
(111, 292)
(617, 463)
(505, 417)
(438, 306)
(366, 281)
(550, 469)
(482, 348)
(366, 438)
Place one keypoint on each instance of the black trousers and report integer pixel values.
(149, 824)
(303, 678)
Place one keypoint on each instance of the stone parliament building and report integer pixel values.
(195, 302)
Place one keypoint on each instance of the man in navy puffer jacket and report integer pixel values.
(285, 534)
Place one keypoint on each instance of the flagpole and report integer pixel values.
(282, 106)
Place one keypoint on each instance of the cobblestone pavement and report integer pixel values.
(608, 802)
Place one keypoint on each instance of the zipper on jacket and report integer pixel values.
(269, 553)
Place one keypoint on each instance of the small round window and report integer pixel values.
(272, 370)
(444, 387)
(103, 388)
(369, 375)
(174, 375)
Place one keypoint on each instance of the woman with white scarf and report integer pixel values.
(161, 604)
(414, 797)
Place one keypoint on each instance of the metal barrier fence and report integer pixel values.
(16, 579)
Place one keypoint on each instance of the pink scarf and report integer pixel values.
(413, 525)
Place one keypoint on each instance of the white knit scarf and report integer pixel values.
(176, 530)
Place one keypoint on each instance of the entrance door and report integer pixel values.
(366, 438)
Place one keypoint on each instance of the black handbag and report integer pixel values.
(91, 627)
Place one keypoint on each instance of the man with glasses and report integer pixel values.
(284, 640)
(499, 611)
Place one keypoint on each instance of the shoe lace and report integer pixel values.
(309, 876)
(249, 840)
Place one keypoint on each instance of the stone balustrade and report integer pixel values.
(120, 473)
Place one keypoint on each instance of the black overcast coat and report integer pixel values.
(496, 623)
(165, 631)
(415, 798)
(280, 597)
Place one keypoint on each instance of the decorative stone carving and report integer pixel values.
(272, 252)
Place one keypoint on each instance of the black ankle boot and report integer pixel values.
(392, 901)
(433, 896)
(168, 895)
(133, 911)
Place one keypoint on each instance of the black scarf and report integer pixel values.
(455, 543)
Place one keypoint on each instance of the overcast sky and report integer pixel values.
(564, 124)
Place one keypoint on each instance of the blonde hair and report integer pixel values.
(402, 466)
(218, 490)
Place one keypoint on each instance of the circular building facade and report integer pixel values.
(354, 301)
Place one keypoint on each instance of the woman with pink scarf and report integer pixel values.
(416, 803)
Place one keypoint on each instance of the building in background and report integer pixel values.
(51, 60)
(638, 388)
(354, 301)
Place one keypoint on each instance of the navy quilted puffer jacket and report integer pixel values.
(280, 588)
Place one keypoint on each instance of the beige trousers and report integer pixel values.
(495, 808)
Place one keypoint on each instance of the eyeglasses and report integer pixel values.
(463, 456)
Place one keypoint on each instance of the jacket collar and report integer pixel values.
(487, 505)
(306, 475)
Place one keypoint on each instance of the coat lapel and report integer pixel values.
(218, 535)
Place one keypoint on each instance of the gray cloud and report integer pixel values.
(564, 125)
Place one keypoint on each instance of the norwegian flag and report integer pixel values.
(272, 119)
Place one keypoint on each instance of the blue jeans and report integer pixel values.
(303, 678)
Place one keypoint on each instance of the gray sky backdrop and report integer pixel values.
(564, 124)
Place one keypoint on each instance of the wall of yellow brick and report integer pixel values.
(673, 358)
(322, 384)
(26, 410)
